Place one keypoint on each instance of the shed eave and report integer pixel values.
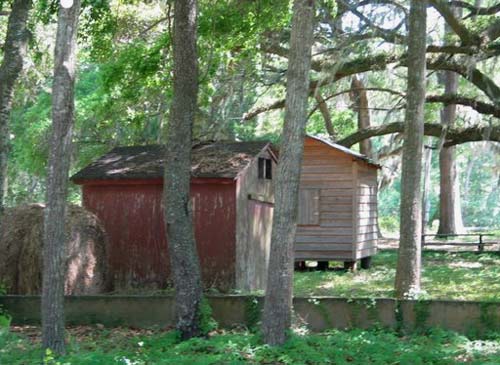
(346, 150)
(152, 181)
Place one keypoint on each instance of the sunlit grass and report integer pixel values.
(457, 276)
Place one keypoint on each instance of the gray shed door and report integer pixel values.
(308, 207)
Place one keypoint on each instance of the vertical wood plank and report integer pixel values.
(355, 209)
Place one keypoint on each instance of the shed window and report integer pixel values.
(308, 207)
(265, 168)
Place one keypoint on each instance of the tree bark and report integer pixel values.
(450, 216)
(360, 99)
(426, 203)
(279, 289)
(178, 214)
(14, 50)
(323, 108)
(409, 257)
(63, 113)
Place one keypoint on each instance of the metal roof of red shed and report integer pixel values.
(209, 160)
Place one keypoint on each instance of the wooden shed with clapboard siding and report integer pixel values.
(337, 204)
(232, 198)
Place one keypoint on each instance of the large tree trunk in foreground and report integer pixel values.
(279, 290)
(178, 215)
(450, 215)
(409, 258)
(14, 50)
(63, 113)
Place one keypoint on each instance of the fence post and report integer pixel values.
(481, 245)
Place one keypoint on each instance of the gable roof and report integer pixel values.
(209, 160)
(346, 150)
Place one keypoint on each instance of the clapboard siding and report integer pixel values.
(366, 211)
(323, 255)
(347, 221)
(329, 171)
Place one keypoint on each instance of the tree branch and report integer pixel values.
(479, 106)
(446, 12)
(454, 136)
(474, 10)
(447, 99)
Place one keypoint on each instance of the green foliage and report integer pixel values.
(489, 317)
(344, 123)
(206, 320)
(252, 313)
(436, 347)
(5, 318)
(389, 223)
(421, 310)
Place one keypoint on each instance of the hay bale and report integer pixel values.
(21, 251)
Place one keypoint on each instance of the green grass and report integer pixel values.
(456, 276)
(108, 347)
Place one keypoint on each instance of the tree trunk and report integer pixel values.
(426, 203)
(14, 50)
(409, 258)
(178, 214)
(360, 100)
(279, 289)
(63, 112)
(327, 118)
(450, 216)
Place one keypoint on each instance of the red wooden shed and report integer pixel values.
(232, 201)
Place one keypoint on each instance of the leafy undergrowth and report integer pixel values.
(457, 276)
(94, 346)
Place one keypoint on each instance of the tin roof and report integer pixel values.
(346, 150)
(209, 160)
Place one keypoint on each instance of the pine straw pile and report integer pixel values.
(21, 251)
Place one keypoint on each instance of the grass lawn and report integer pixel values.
(459, 276)
(92, 346)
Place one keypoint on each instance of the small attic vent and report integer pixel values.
(265, 168)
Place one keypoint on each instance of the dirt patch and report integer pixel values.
(21, 251)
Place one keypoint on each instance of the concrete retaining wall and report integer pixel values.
(317, 314)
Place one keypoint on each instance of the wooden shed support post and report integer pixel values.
(350, 265)
(366, 262)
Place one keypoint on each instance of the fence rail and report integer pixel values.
(480, 244)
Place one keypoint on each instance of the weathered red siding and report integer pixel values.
(133, 218)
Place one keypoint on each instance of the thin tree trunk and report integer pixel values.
(450, 216)
(63, 112)
(409, 258)
(426, 203)
(360, 99)
(323, 107)
(178, 215)
(279, 289)
(14, 50)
